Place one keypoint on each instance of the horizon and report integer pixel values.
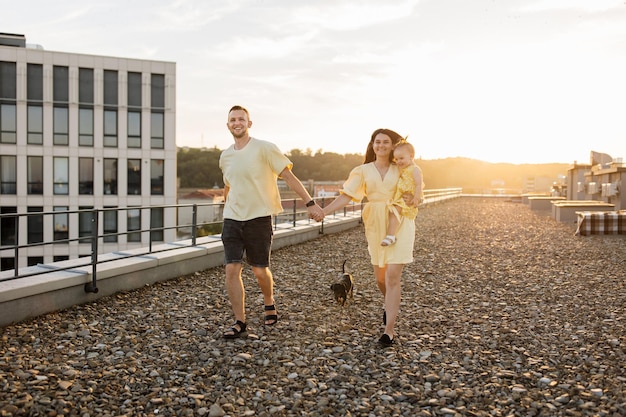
(522, 81)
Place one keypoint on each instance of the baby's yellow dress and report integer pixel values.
(406, 184)
(365, 181)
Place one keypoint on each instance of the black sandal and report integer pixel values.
(272, 318)
(236, 330)
(385, 340)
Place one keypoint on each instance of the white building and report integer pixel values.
(83, 132)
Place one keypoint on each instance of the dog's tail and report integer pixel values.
(343, 267)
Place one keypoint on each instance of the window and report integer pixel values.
(34, 82)
(8, 174)
(134, 129)
(85, 176)
(134, 89)
(60, 121)
(60, 258)
(134, 177)
(85, 223)
(110, 225)
(110, 128)
(34, 260)
(8, 123)
(85, 85)
(157, 91)
(7, 264)
(8, 80)
(61, 227)
(156, 176)
(8, 119)
(35, 125)
(133, 222)
(60, 84)
(7, 226)
(85, 127)
(110, 176)
(156, 130)
(35, 225)
(156, 224)
(34, 175)
(61, 175)
(110, 88)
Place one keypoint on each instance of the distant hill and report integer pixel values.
(198, 169)
(475, 174)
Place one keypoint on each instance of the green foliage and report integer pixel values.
(198, 168)
(209, 229)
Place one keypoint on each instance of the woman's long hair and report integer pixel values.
(370, 156)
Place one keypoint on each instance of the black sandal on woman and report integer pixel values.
(271, 319)
(236, 330)
(385, 340)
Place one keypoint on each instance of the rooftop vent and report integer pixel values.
(11, 39)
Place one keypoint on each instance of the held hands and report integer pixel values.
(316, 213)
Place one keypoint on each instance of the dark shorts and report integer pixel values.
(251, 237)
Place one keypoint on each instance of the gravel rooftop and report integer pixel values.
(505, 313)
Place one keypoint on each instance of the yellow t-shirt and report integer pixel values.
(251, 174)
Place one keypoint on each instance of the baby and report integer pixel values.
(410, 182)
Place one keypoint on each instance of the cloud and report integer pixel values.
(345, 16)
(577, 5)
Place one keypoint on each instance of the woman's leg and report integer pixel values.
(379, 274)
(393, 285)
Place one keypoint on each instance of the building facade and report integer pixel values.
(81, 132)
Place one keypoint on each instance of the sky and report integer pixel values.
(517, 81)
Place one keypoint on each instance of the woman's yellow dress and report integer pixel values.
(365, 181)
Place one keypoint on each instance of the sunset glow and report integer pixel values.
(521, 81)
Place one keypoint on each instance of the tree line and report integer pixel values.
(198, 168)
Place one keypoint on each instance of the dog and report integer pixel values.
(344, 288)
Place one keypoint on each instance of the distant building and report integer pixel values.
(81, 132)
(209, 208)
(601, 180)
(605, 180)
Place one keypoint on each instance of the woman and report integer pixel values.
(376, 179)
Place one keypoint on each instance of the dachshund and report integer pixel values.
(343, 289)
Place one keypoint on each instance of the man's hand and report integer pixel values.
(316, 213)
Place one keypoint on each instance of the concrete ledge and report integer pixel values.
(574, 203)
(542, 202)
(55, 289)
(526, 196)
(567, 212)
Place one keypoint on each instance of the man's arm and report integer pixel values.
(315, 211)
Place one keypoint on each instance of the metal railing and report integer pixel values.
(293, 213)
(94, 240)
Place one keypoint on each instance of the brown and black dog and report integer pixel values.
(343, 289)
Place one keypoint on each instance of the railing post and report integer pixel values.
(93, 286)
(294, 212)
(194, 223)
(17, 246)
(322, 225)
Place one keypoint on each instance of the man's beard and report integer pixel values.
(239, 135)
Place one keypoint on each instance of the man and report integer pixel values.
(250, 169)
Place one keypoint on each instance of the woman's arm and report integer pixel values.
(338, 203)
